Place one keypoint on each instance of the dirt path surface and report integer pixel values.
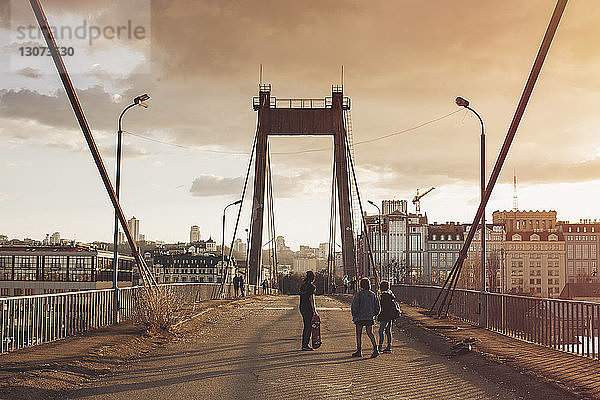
(251, 351)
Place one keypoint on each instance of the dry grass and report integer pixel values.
(162, 309)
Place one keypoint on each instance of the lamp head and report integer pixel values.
(141, 99)
(462, 102)
(370, 202)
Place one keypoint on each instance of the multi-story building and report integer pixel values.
(302, 264)
(190, 267)
(134, 228)
(29, 270)
(394, 206)
(240, 246)
(494, 243)
(211, 245)
(323, 250)
(535, 263)
(582, 241)
(525, 221)
(391, 237)
(444, 242)
(55, 238)
(194, 234)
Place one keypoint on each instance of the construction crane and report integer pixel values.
(417, 200)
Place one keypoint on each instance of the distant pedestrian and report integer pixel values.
(264, 286)
(389, 312)
(308, 309)
(365, 307)
(242, 289)
(236, 285)
(346, 284)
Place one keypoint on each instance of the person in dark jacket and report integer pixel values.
(307, 308)
(365, 307)
(386, 316)
(236, 285)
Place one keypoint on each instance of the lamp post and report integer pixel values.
(223, 241)
(461, 102)
(138, 101)
(379, 240)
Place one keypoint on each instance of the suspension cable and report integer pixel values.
(365, 227)
(225, 271)
(271, 216)
(332, 230)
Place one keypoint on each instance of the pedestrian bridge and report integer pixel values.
(249, 348)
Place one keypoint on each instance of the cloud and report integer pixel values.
(283, 186)
(405, 62)
(29, 72)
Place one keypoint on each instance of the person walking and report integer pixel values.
(264, 286)
(365, 307)
(236, 284)
(389, 312)
(345, 284)
(308, 309)
(242, 286)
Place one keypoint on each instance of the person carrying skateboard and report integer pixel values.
(307, 308)
(389, 312)
(365, 307)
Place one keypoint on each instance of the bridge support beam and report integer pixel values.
(326, 118)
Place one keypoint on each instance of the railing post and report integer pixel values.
(115, 319)
(482, 309)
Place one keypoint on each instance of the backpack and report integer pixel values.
(396, 313)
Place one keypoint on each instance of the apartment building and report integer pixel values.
(535, 263)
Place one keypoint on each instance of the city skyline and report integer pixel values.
(201, 101)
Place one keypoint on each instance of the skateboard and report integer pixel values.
(316, 332)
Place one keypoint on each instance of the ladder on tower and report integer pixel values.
(356, 217)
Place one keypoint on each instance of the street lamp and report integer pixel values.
(379, 240)
(461, 102)
(138, 101)
(223, 241)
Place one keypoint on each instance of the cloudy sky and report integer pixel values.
(404, 62)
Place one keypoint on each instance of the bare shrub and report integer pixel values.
(163, 308)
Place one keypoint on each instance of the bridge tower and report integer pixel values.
(301, 117)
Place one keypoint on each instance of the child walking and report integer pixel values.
(365, 307)
(389, 312)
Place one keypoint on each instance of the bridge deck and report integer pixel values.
(251, 351)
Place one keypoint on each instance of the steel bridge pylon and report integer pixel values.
(301, 117)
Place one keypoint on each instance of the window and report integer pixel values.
(5, 268)
(552, 237)
(570, 252)
(535, 237)
(80, 269)
(25, 268)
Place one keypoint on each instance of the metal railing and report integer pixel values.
(566, 325)
(30, 320)
(326, 102)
